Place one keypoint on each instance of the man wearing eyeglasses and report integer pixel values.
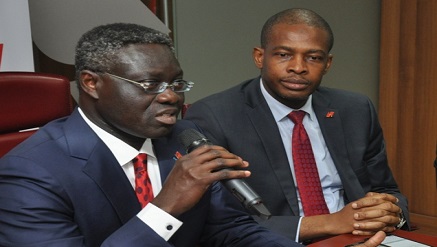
(72, 183)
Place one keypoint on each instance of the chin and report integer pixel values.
(294, 101)
(295, 96)
(160, 131)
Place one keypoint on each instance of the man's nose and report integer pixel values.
(297, 64)
(169, 96)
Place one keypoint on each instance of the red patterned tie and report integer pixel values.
(305, 168)
(143, 187)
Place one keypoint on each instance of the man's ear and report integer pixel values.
(88, 83)
(258, 57)
(328, 63)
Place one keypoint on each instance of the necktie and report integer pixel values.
(143, 187)
(305, 168)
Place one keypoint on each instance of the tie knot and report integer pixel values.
(297, 116)
(140, 161)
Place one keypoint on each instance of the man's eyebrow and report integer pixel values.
(316, 51)
(287, 48)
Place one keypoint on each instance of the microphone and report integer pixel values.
(192, 139)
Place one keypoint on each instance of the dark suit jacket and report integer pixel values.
(240, 120)
(63, 187)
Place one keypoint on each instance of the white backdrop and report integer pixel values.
(15, 36)
(58, 25)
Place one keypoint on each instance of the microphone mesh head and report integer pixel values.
(189, 136)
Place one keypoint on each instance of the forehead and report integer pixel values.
(146, 57)
(298, 35)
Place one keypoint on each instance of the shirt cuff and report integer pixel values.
(160, 221)
(298, 230)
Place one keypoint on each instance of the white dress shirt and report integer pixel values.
(160, 221)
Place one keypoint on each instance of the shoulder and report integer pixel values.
(182, 125)
(341, 97)
(353, 106)
(177, 129)
(231, 94)
(227, 101)
(41, 139)
(335, 92)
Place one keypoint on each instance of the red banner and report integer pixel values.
(1, 53)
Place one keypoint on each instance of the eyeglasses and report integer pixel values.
(155, 87)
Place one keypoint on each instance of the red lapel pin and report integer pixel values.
(330, 114)
(177, 155)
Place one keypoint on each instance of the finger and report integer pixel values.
(373, 226)
(370, 201)
(371, 194)
(388, 210)
(375, 240)
(383, 196)
(363, 233)
(207, 148)
(209, 153)
(220, 152)
(225, 174)
(369, 226)
(368, 233)
(216, 164)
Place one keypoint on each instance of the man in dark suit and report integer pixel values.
(251, 121)
(72, 183)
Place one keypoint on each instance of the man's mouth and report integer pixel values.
(168, 117)
(295, 84)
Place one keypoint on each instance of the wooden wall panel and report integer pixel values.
(408, 102)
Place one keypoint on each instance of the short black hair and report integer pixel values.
(296, 16)
(96, 48)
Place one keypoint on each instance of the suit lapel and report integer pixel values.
(165, 151)
(102, 167)
(331, 126)
(263, 122)
(166, 148)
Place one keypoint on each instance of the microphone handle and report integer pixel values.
(192, 139)
(247, 196)
(241, 191)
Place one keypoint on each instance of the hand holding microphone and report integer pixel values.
(191, 140)
(193, 174)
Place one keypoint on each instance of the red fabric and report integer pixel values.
(143, 186)
(151, 4)
(184, 109)
(1, 54)
(305, 168)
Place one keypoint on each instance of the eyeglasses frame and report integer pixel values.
(162, 85)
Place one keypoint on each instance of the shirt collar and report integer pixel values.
(122, 151)
(281, 111)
